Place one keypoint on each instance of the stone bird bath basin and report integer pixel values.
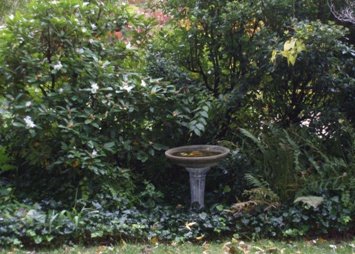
(197, 160)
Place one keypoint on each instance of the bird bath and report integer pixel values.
(197, 160)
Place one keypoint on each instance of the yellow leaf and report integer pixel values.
(154, 240)
(199, 238)
(292, 59)
(285, 54)
(189, 225)
(185, 23)
(289, 44)
(300, 46)
(273, 56)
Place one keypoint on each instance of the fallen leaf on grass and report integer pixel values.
(205, 247)
(154, 240)
(272, 250)
(100, 249)
(188, 225)
(229, 248)
(147, 250)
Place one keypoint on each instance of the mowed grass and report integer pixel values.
(318, 246)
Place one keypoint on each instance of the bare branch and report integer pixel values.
(346, 14)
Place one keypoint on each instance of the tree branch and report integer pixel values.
(346, 14)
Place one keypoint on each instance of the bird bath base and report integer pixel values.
(197, 160)
(197, 186)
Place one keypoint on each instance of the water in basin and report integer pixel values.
(196, 153)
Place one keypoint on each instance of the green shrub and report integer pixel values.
(8, 6)
(312, 69)
(81, 113)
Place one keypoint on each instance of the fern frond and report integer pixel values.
(262, 195)
(243, 206)
(296, 151)
(255, 182)
(248, 134)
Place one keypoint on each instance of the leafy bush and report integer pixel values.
(309, 85)
(81, 114)
(8, 6)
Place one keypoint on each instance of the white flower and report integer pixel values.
(29, 122)
(11, 17)
(60, 90)
(128, 45)
(57, 66)
(79, 50)
(91, 41)
(105, 64)
(94, 153)
(127, 87)
(28, 104)
(143, 83)
(94, 87)
(83, 29)
(306, 122)
(93, 26)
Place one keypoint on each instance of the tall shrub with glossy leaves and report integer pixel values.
(81, 114)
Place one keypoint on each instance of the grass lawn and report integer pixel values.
(318, 246)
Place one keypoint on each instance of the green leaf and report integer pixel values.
(143, 157)
(97, 234)
(95, 125)
(220, 208)
(31, 233)
(38, 239)
(204, 114)
(159, 147)
(17, 124)
(197, 131)
(227, 189)
(108, 146)
(203, 215)
(200, 126)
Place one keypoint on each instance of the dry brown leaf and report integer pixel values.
(100, 249)
(199, 238)
(154, 240)
(229, 248)
(272, 250)
(147, 250)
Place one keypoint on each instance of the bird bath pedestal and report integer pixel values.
(197, 160)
